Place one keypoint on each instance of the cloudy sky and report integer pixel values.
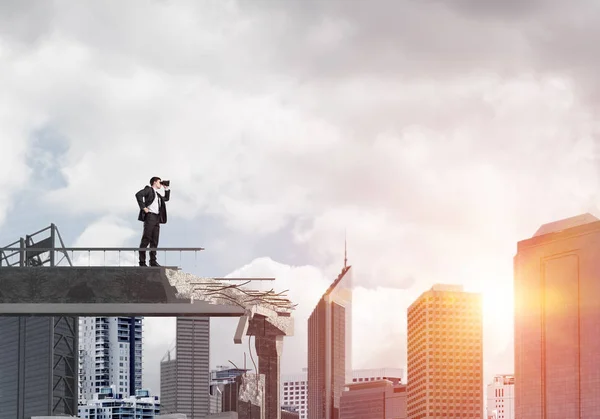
(436, 134)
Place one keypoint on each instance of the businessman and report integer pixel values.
(153, 212)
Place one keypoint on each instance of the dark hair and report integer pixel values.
(153, 179)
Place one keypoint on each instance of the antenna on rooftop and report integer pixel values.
(345, 251)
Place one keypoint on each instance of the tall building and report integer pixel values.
(557, 284)
(168, 383)
(501, 397)
(38, 366)
(110, 354)
(330, 348)
(374, 399)
(445, 354)
(185, 380)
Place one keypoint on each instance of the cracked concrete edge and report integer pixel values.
(184, 284)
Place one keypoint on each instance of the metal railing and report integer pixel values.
(23, 256)
(34, 256)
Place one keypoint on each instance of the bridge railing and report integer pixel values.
(26, 256)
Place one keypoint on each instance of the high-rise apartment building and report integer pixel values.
(557, 284)
(330, 348)
(185, 380)
(445, 354)
(110, 354)
(501, 397)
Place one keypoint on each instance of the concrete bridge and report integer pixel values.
(62, 291)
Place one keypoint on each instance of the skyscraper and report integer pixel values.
(445, 354)
(330, 348)
(168, 383)
(557, 284)
(185, 380)
(110, 355)
(38, 366)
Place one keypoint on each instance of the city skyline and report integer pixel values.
(435, 134)
(444, 306)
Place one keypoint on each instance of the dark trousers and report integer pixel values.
(150, 236)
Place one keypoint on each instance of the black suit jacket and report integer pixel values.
(145, 197)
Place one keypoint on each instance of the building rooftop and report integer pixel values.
(447, 287)
(369, 384)
(560, 225)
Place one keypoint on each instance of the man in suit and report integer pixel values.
(153, 212)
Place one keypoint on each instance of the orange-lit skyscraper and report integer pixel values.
(445, 354)
(330, 348)
(557, 320)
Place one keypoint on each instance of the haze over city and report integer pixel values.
(432, 135)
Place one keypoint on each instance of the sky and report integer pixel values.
(432, 135)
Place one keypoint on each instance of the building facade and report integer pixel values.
(445, 354)
(38, 366)
(294, 387)
(294, 393)
(110, 354)
(168, 384)
(557, 284)
(501, 397)
(107, 404)
(374, 399)
(330, 348)
(185, 380)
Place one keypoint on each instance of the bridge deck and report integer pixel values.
(98, 291)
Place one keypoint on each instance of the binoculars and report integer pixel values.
(165, 182)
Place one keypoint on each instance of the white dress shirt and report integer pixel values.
(155, 205)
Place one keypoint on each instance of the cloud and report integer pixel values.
(14, 138)
(435, 134)
(260, 158)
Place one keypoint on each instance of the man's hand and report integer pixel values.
(146, 210)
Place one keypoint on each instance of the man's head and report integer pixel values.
(155, 182)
